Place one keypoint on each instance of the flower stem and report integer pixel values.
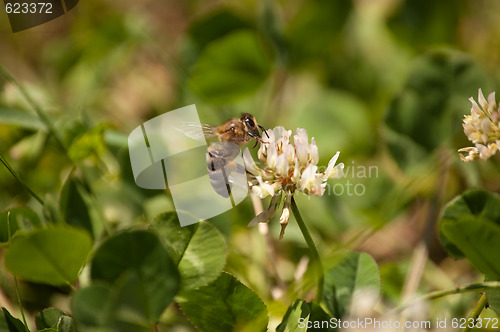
(314, 251)
(477, 310)
(13, 172)
(461, 289)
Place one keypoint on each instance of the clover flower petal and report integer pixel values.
(482, 128)
(288, 166)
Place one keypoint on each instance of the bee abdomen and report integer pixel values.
(220, 165)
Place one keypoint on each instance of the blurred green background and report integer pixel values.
(384, 82)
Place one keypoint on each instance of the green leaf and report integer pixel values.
(319, 316)
(225, 305)
(476, 202)
(303, 316)
(48, 318)
(51, 211)
(296, 318)
(199, 249)
(493, 296)
(336, 125)
(121, 307)
(89, 144)
(66, 324)
(74, 210)
(130, 305)
(21, 119)
(90, 307)
(465, 230)
(150, 270)
(353, 274)
(230, 68)
(11, 323)
(53, 256)
(313, 32)
(477, 239)
(53, 319)
(22, 218)
(418, 24)
(428, 112)
(215, 25)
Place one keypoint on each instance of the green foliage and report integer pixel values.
(298, 311)
(54, 320)
(49, 318)
(225, 305)
(138, 265)
(231, 67)
(353, 273)
(387, 84)
(90, 307)
(20, 118)
(313, 34)
(477, 239)
(419, 23)
(472, 204)
(216, 25)
(88, 145)
(13, 220)
(470, 228)
(198, 250)
(66, 324)
(301, 314)
(11, 324)
(51, 255)
(428, 111)
(72, 205)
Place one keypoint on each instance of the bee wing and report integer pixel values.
(220, 154)
(223, 171)
(198, 131)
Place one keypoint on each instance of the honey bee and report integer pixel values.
(220, 156)
(239, 131)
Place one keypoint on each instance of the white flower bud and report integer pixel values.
(263, 189)
(308, 177)
(282, 165)
(302, 151)
(250, 165)
(482, 101)
(272, 155)
(491, 103)
(290, 153)
(313, 152)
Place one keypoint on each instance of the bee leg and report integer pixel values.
(252, 135)
(257, 139)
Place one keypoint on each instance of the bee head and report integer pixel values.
(252, 128)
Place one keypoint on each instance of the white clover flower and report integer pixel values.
(288, 167)
(482, 128)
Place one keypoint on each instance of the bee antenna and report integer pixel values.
(263, 130)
